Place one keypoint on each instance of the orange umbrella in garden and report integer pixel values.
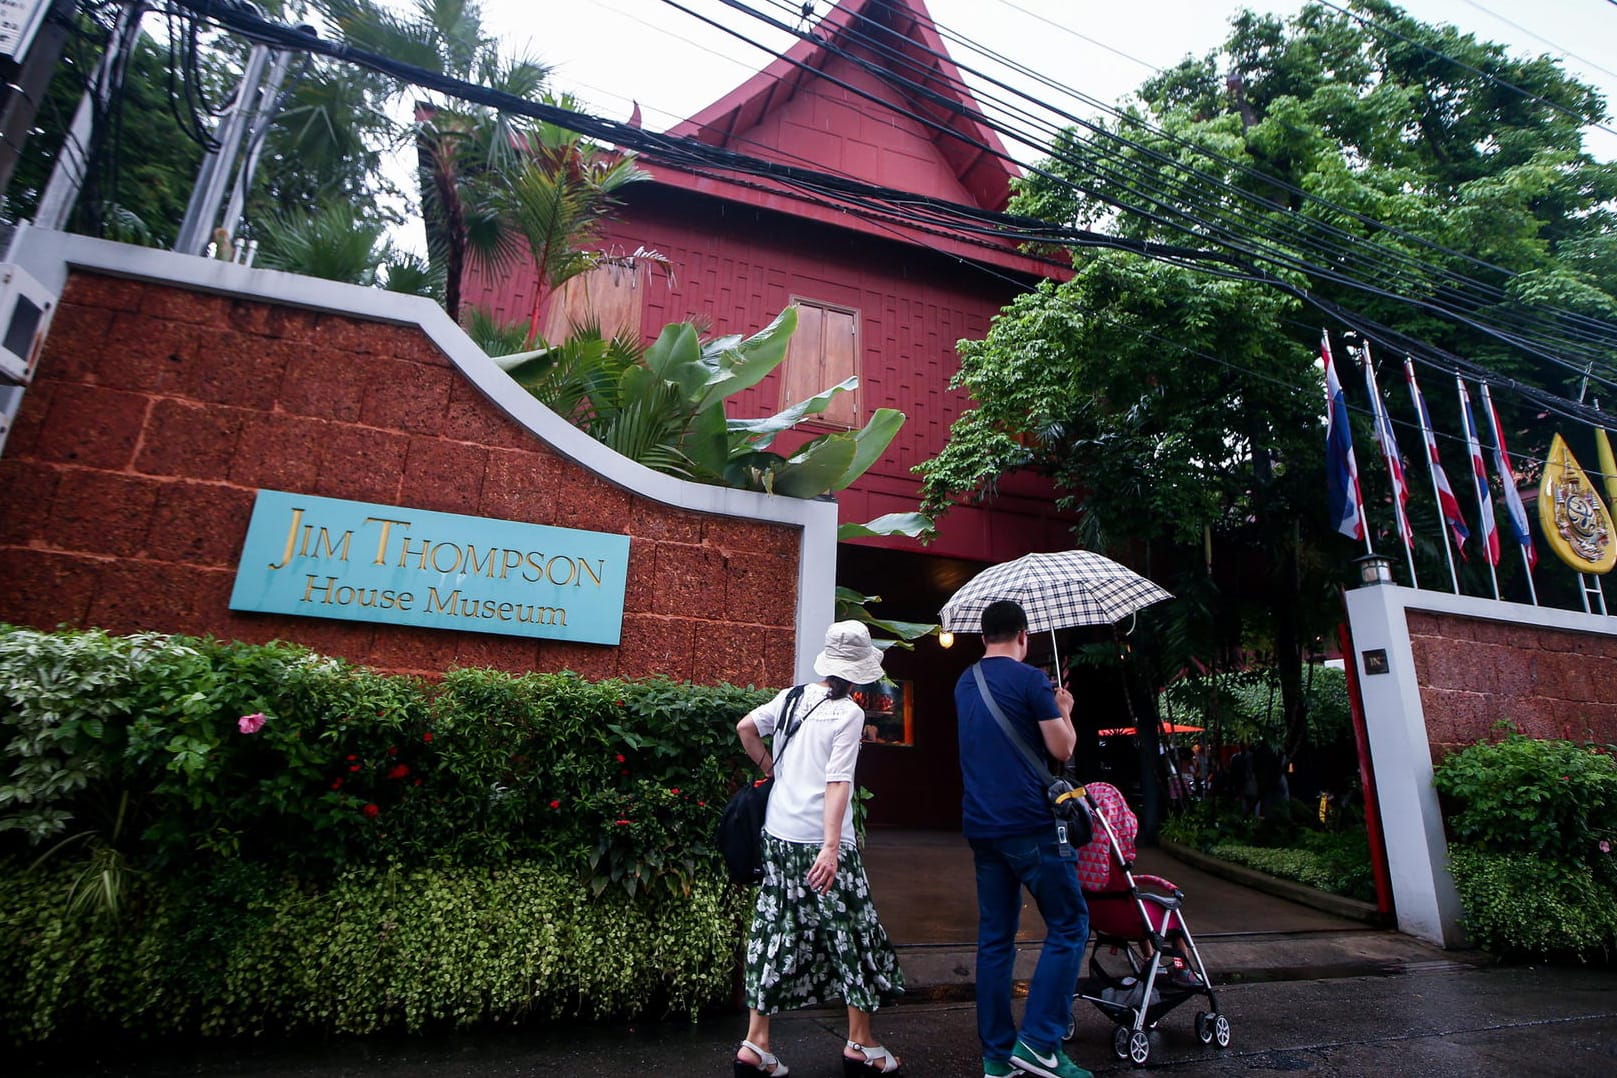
(1166, 728)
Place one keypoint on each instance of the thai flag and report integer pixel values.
(1341, 470)
(1507, 475)
(1447, 503)
(1479, 473)
(1387, 439)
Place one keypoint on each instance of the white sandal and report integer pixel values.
(876, 1060)
(767, 1064)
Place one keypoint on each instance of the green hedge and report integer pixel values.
(373, 950)
(1533, 829)
(139, 745)
(379, 851)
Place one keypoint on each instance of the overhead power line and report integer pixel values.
(1168, 208)
(906, 208)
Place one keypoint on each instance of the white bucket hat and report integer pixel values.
(849, 654)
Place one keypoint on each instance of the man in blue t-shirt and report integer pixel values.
(1014, 843)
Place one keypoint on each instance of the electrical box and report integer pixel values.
(26, 307)
(19, 23)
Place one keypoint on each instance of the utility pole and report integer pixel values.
(31, 36)
(61, 192)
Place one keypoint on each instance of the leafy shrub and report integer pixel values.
(1552, 799)
(156, 763)
(279, 840)
(1287, 842)
(1521, 906)
(1336, 863)
(1531, 838)
(245, 951)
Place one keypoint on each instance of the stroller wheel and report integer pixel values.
(1120, 1041)
(1139, 1047)
(1072, 1026)
(1204, 1027)
(1221, 1030)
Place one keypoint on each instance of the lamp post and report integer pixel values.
(1374, 570)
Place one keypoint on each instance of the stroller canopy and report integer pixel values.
(1096, 866)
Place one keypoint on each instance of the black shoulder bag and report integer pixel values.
(740, 835)
(1066, 801)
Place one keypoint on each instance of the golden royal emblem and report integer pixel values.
(1576, 523)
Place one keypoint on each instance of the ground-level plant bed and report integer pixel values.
(376, 949)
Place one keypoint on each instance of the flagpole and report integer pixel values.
(1427, 437)
(1506, 476)
(1389, 455)
(1479, 483)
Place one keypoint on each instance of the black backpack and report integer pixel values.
(740, 835)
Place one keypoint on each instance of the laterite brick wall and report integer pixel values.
(157, 412)
(1547, 683)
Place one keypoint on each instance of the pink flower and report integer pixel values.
(251, 724)
(1605, 847)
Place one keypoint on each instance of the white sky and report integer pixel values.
(612, 53)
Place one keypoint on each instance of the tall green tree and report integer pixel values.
(1176, 403)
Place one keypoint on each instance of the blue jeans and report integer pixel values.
(1004, 867)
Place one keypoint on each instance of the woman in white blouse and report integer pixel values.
(814, 935)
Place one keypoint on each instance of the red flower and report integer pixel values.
(620, 703)
(353, 767)
(370, 812)
(701, 804)
(625, 771)
(336, 784)
(674, 791)
(398, 771)
(418, 782)
(623, 823)
(392, 750)
(351, 757)
(427, 736)
(619, 758)
(555, 804)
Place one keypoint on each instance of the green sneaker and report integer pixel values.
(997, 1068)
(1052, 1064)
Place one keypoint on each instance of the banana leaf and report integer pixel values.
(872, 441)
(815, 468)
(911, 525)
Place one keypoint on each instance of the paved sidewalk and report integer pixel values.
(1450, 1023)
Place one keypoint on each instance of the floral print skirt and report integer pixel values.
(806, 949)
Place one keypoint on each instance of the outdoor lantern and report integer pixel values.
(946, 638)
(1374, 569)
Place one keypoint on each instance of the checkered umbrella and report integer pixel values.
(1059, 590)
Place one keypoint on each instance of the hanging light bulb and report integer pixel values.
(946, 639)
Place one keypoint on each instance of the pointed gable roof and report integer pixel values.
(900, 37)
(842, 102)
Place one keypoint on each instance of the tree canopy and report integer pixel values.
(1347, 168)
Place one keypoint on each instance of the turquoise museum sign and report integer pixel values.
(328, 558)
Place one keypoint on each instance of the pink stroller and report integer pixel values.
(1138, 922)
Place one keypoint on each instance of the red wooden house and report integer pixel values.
(882, 299)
